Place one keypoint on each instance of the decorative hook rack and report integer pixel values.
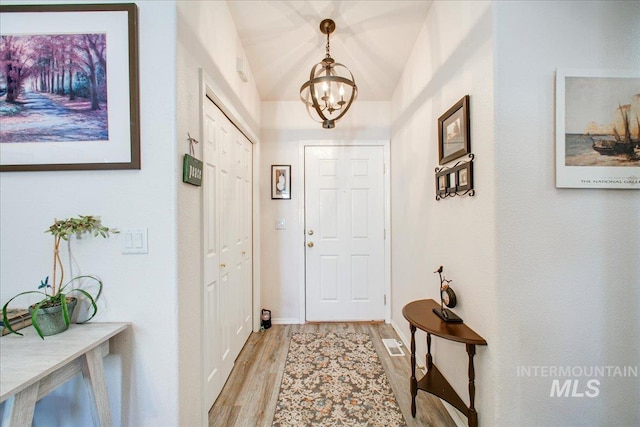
(456, 180)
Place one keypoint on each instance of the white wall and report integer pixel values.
(143, 371)
(548, 276)
(568, 290)
(207, 40)
(452, 57)
(284, 125)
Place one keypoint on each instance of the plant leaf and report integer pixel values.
(91, 300)
(65, 309)
(5, 321)
(34, 318)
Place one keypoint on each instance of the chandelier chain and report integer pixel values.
(327, 47)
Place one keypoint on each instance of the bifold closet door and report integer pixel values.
(227, 272)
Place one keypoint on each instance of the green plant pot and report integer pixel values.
(51, 319)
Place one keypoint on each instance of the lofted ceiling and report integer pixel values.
(282, 41)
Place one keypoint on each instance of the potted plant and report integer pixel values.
(52, 314)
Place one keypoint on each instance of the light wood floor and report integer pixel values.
(250, 395)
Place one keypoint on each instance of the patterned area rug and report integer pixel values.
(335, 380)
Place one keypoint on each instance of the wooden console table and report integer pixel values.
(420, 316)
(30, 368)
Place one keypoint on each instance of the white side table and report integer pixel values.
(30, 368)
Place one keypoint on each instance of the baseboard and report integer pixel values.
(286, 321)
(456, 415)
(400, 333)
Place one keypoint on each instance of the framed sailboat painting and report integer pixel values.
(597, 129)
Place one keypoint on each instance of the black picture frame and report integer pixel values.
(75, 150)
(456, 180)
(454, 134)
(280, 182)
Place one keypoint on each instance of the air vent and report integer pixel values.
(393, 347)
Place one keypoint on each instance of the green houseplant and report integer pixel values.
(56, 295)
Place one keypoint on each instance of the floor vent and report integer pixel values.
(393, 347)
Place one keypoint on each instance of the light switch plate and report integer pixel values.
(135, 241)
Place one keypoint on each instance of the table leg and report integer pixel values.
(429, 358)
(18, 411)
(414, 381)
(473, 415)
(93, 372)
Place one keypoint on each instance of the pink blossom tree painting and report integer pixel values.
(53, 88)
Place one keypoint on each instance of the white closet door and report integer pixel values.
(211, 246)
(227, 271)
(241, 241)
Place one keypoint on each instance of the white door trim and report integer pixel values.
(387, 216)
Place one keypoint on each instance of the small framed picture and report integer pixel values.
(453, 182)
(454, 132)
(464, 174)
(443, 183)
(281, 181)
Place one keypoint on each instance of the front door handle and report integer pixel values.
(310, 244)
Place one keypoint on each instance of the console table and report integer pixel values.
(30, 368)
(420, 316)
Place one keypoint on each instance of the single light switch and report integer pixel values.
(281, 224)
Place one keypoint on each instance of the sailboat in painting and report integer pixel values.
(616, 144)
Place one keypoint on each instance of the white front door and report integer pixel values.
(344, 232)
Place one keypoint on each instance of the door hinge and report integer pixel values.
(385, 299)
(385, 234)
(384, 168)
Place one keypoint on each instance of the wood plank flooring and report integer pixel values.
(250, 395)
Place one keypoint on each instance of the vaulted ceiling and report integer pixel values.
(282, 41)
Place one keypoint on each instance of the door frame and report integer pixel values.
(300, 176)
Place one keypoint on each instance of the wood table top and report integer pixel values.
(25, 360)
(420, 314)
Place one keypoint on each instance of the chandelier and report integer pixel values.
(331, 88)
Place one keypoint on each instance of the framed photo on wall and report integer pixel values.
(597, 129)
(464, 174)
(454, 133)
(281, 182)
(456, 180)
(69, 99)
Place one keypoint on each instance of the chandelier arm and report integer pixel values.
(346, 106)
